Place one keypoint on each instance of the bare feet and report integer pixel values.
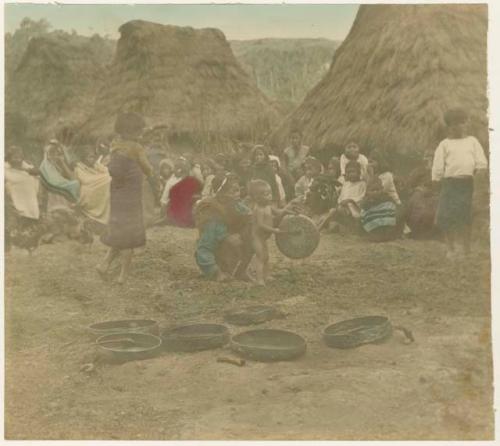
(121, 280)
(103, 274)
(222, 277)
(244, 277)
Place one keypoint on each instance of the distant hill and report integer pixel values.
(285, 69)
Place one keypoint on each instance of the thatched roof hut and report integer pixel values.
(185, 78)
(55, 83)
(398, 70)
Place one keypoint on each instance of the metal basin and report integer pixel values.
(269, 345)
(129, 346)
(355, 332)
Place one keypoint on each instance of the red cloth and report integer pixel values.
(182, 197)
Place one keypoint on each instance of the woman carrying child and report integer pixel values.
(95, 182)
(456, 160)
(128, 164)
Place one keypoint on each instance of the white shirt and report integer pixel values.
(387, 180)
(23, 190)
(362, 160)
(458, 158)
(352, 191)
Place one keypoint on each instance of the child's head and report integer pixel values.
(260, 192)
(352, 151)
(244, 163)
(259, 154)
(89, 157)
(166, 168)
(207, 170)
(14, 156)
(275, 163)
(334, 167)
(353, 171)
(226, 186)
(181, 167)
(313, 167)
(456, 120)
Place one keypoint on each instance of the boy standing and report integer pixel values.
(456, 160)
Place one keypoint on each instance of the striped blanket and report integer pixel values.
(380, 215)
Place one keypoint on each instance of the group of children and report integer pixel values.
(350, 191)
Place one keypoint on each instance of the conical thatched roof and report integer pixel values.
(185, 78)
(399, 69)
(56, 80)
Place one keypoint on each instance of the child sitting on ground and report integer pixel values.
(351, 153)
(456, 160)
(262, 170)
(263, 219)
(348, 210)
(275, 163)
(312, 169)
(378, 213)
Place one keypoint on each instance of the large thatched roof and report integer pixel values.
(399, 69)
(55, 82)
(185, 78)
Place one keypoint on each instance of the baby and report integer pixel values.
(263, 215)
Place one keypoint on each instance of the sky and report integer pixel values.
(237, 21)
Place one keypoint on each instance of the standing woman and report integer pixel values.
(127, 166)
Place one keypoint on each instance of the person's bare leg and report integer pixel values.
(111, 255)
(265, 260)
(260, 261)
(126, 261)
(247, 252)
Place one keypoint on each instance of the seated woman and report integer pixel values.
(58, 178)
(224, 247)
(95, 183)
(22, 212)
(180, 194)
(379, 217)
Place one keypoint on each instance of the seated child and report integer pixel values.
(348, 210)
(263, 218)
(312, 168)
(275, 163)
(378, 213)
(351, 153)
(262, 170)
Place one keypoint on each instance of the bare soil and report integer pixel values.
(439, 387)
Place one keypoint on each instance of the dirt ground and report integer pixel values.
(439, 387)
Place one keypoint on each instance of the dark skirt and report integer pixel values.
(126, 226)
(455, 203)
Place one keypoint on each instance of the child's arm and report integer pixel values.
(480, 162)
(438, 163)
(260, 222)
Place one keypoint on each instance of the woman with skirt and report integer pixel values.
(127, 165)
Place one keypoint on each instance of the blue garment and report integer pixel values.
(55, 182)
(380, 215)
(211, 235)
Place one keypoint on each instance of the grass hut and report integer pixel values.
(187, 79)
(391, 80)
(55, 84)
